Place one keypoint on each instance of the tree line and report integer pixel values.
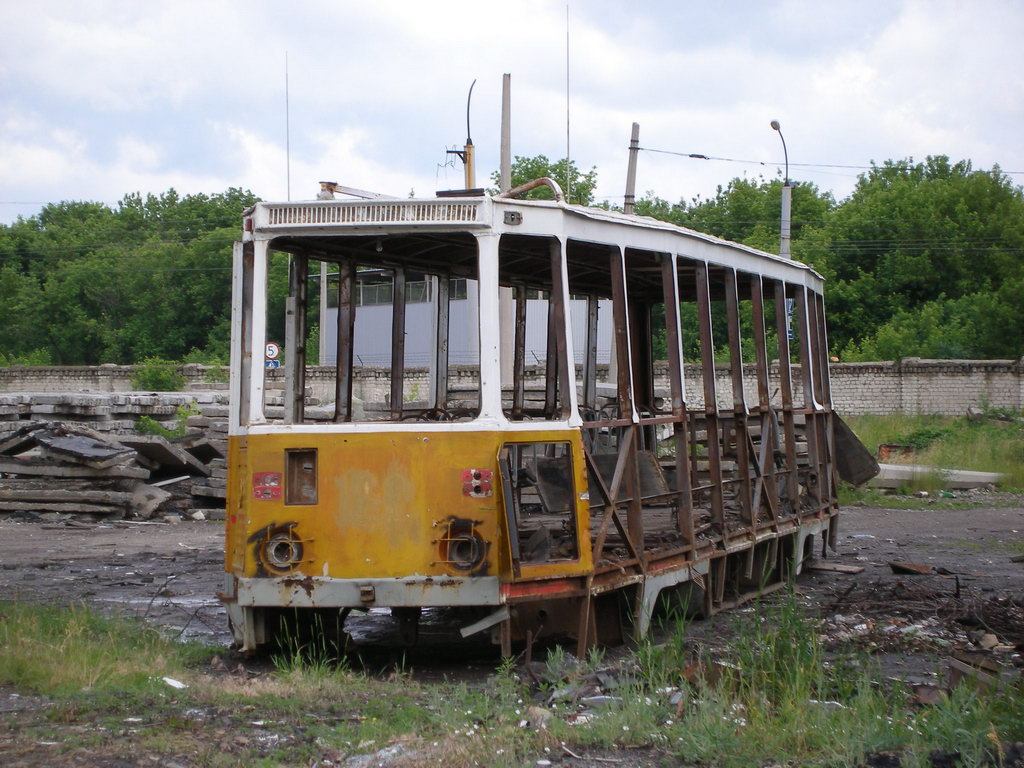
(923, 258)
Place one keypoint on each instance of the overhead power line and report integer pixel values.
(701, 156)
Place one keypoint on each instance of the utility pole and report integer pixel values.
(787, 199)
(634, 149)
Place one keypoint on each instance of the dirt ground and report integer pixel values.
(169, 574)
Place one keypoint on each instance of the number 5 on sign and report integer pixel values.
(273, 351)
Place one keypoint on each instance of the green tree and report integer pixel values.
(935, 240)
(745, 211)
(86, 283)
(577, 187)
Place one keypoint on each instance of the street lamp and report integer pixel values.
(787, 198)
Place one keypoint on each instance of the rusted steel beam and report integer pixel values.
(634, 510)
(626, 395)
(642, 354)
(560, 302)
(823, 419)
(295, 339)
(808, 339)
(760, 342)
(711, 416)
(786, 390)
(674, 349)
(739, 403)
(346, 345)
(397, 343)
(441, 342)
(551, 362)
(766, 459)
(245, 332)
(620, 324)
(590, 358)
(519, 355)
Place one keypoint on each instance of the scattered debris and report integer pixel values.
(911, 569)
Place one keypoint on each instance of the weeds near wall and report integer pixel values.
(147, 425)
(155, 374)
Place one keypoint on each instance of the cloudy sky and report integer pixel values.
(101, 98)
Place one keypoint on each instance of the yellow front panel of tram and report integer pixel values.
(386, 505)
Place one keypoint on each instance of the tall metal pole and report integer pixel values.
(787, 199)
(568, 153)
(634, 147)
(505, 177)
(467, 157)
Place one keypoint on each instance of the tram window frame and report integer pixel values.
(532, 265)
(413, 259)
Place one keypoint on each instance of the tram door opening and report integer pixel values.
(540, 502)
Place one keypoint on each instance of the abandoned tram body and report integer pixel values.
(549, 504)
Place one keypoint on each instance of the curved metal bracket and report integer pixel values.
(544, 181)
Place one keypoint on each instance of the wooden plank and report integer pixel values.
(824, 565)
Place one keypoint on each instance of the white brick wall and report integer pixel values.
(912, 385)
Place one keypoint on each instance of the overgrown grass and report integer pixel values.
(63, 650)
(775, 698)
(986, 445)
(901, 499)
(771, 696)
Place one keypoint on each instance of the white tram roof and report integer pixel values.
(542, 218)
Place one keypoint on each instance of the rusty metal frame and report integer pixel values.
(295, 339)
(346, 346)
(739, 404)
(519, 355)
(440, 379)
(786, 389)
(244, 285)
(712, 424)
(397, 342)
(680, 426)
(765, 485)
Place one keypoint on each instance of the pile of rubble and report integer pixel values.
(66, 468)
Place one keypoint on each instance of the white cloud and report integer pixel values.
(106, 98)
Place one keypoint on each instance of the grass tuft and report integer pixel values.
(63, 650)
(993, 443)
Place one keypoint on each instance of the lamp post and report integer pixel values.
(787, 198)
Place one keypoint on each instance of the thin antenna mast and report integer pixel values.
(287, 132)
(568, 154)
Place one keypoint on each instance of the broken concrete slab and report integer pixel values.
(69, 507)
(28, 496)
(209, 491)
(201, 447)
(146, 499)
(42, 467)
(898, 475)
(20, 441)
(60, 442)
(169, 456)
